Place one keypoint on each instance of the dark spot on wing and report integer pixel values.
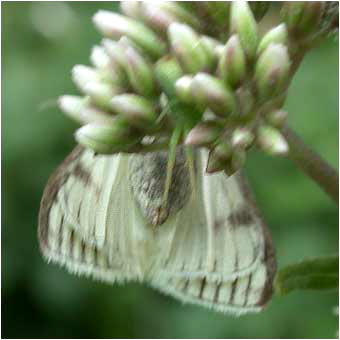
(233, 291)
(217, 292)
(269, 259)
(203, 284)
(71, 242)
(82, 174)
(82, 251)
(95, 256)
(248, 289)
(186, 285)
(218, 224)
(241, 216)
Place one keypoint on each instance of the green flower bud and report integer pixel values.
(115, 51)
(136, 110)
(114, 26)
(291, 13)
(107, 67)
(232, 65)
(238, 160)
(259, 8)
(277, 35)
(214, 14)
(277, 118)
(106, 138)
(311, 17)
(188, 48)
(211, 92)
(167, 71)
(242, 138)
(302, 18)
(219, 50)
(245, 101)
(216, 163)
(224, 158)
(88, 81)
(210, 45)
(203, 134)
(272, 71)
(271, 141)
(80, 109)
(160, 15)
(154, 16)
(244, 24)
(183, 89)
(223, 151)
(140, 72)
(118, 60)
(180, 13)
(100, 93)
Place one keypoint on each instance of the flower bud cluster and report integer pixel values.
(157, 69)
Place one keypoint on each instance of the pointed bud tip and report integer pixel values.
(183, 88)
(244, 24)
(82, 74)
(69, 103)
(99, 57)
(203, 134)
(272, 141)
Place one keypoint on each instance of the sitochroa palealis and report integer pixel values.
(103, 216)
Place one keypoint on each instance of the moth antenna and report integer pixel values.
(191, 166)
(48, 104)
(174, 140)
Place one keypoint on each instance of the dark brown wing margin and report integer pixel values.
(269, 257)
(56, 180)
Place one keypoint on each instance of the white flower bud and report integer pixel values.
(80, 109)
(114, 26)
(188, 48)
(271, 141)
(106, 138)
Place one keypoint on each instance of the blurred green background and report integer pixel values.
(40, 44)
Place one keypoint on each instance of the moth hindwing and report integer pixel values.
(211, 249)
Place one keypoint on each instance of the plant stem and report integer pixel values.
(312, 164)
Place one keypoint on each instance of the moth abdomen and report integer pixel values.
(147, 175)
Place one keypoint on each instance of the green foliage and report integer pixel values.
(315, 274)
(44, 301)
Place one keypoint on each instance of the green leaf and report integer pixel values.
(312, 274)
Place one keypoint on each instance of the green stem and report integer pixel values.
(171, 162)
(312, 164)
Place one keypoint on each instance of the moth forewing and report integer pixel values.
(221, 253)
(209, 234)
(64, 222)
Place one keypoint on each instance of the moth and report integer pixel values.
(102, 216)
